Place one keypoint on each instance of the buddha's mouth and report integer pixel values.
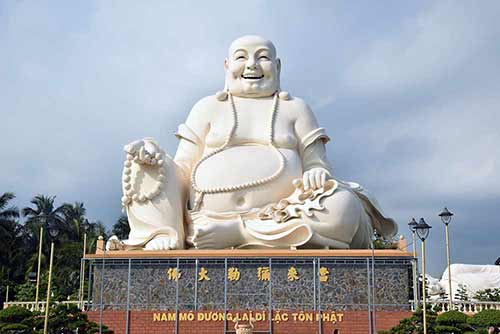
(252, 76)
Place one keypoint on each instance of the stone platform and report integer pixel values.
(199, 289)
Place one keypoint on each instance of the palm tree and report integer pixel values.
(94, 230)
(8, 216)
(75, 222)
(9, 232)
(45, 215)
(121, 228)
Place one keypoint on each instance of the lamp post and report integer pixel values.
(412, 224)
(39, 268)
(82, 268)
(53, 231)
(422, 229)
(446, 218)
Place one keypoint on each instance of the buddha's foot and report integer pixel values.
(161, 243)
(216, 234)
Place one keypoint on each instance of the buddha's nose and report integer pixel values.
(251, 64)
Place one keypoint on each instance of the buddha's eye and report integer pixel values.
(241, 57)
(264, 58)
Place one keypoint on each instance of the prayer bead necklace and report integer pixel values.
(130, 194)
(200, 192)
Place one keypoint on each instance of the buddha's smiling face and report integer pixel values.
(252, 69)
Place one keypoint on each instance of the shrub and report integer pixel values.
(478, 331)
(452, 318)
(62, 319)
(413, 324)
(15, 329)
(67, 318)
(447, 330)
(451, 322)
(14, 314)
(25, 292)
(485, 318)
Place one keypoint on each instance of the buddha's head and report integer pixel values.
(252, 68)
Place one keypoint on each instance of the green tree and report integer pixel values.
(66, 275)
(462, 293)
(63, 319)
(95, 230)
(12, 252)
(8, 217)
(75, 221)
(25, 292)
(488, 295)
(9, 231)
(67, 319)
(20, 242)
(16, 320)
(451, 322)
(43, 214)
(485, 318)
(414, 324)
(121, 228)
(71, 223)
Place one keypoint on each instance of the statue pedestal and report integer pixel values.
(284, 291)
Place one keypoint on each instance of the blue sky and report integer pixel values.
(409, 93)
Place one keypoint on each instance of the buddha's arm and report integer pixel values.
(192, 135)
(314, 156)
(312, 139)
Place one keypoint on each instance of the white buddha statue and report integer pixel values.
(250, 171)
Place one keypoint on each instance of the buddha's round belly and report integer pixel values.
(242, 164)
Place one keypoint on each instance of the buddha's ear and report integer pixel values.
(226, 64)
(278, 64)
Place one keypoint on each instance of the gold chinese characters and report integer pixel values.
(293, 275)
(263, 274)
(173, 274)
(323, 274)
(233, 274)
(203, 274)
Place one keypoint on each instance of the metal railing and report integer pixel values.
(443, 305)
(40, 306)
(470, 307)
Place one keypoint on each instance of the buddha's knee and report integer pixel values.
(164, 208)
(341, 217)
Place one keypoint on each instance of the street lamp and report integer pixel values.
(85, 227)
(422, 229)
(412, 224)
(53, 230)
(47, 303)
(39, 268)
(446, 218)
(32, 276)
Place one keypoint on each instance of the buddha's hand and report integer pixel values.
(145, 151)
(315, 178)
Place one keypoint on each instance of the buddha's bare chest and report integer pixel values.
(253, 124)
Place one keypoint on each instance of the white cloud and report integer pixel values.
(455, 143)
(426, 48)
